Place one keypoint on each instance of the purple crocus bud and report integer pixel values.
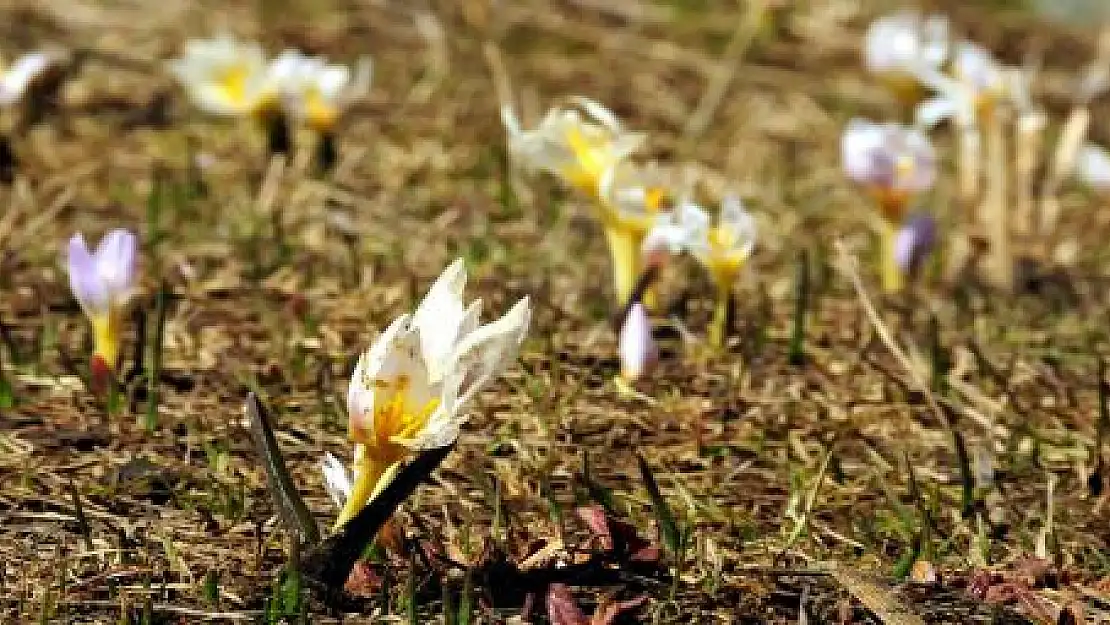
(102, 282)
(915, 242)
(637, 348)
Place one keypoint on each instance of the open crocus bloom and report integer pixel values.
(898, 45)
(978, 83)
(102, 282)
(316, 92)
(19, 76)
(894, 163)
(891, 161)
(225, 77)
(409, 389)
(724, 247)
(578, 143)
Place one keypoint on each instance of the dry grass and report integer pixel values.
(781, 473)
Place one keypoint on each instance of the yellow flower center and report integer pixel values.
(725, 257)
(592, 157)
(395, 422)
(232, 81)
(320, 113)
(654, 198)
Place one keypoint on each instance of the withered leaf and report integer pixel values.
(562, 609)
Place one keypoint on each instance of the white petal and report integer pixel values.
(510, 120)
(666, 237)
(739, 223)
(932, 112)
(484, 352)
(439, 316)
(337, 480)
(599, 113)
(22, 73)
(1092, 167)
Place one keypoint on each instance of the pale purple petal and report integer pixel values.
(888, 156)
(914, 242)
(84, 280)
(115, 263)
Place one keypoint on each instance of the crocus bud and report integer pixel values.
(102, 282)
(637, 348)
(914, 243)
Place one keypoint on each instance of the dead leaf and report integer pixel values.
(363, 581)
(608, 611)
(562, 609)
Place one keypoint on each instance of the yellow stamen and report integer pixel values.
(726, 258)
(591, 160)
(232, 82)
(383, 448)
(654, 198)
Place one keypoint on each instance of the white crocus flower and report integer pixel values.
(893, 162)
(577, 143)
(223, 76)
(722, 247)
(632, 198)
(897, 46)
(17, 78)
(316, 92)
(409, 389)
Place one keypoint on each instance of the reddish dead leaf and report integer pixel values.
(1036, 572)
(608, 611)
(363, 581)
(562, 609)
(617, 537)
(598, 523)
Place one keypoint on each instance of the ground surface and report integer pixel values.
(814, 485)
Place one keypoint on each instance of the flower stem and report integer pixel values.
(368, 474)
(106, 337)
(719, 326)
(624, 249)
(891, 273)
